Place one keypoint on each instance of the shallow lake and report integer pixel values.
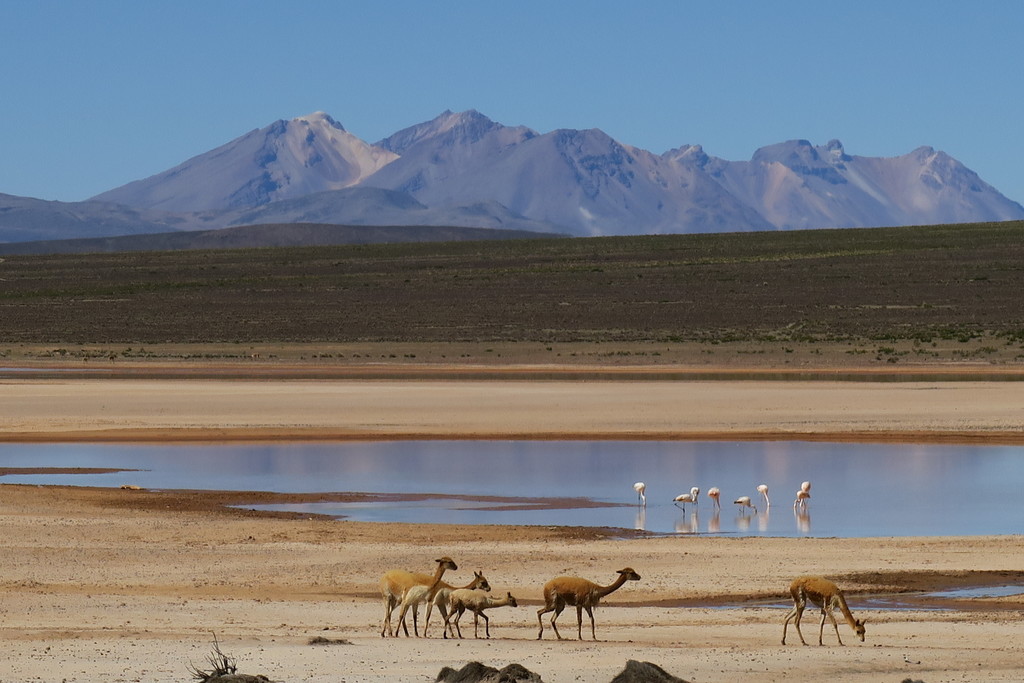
(857, 489)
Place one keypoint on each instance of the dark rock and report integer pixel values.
(475, 672)
(645, 672)
(514, 673)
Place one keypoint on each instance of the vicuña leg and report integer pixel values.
(557, 608)
(794, 616)
(390, 603)
(826, 610)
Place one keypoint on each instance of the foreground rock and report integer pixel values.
(475, 672)
(645, 672)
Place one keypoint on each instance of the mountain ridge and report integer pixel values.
(284, 160)
(461, 167)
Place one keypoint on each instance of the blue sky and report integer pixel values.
(97, 93)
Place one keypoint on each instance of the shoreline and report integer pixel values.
(128, 585)
(526, 369)
(214, 435)
(95, 588)
(199, 406)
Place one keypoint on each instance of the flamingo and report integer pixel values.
(713, 494)
(806, 488)
(640, 488)
(801, 497)
(763, 490)
(685, 498)
(744, 502)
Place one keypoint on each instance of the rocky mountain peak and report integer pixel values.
(580, 181)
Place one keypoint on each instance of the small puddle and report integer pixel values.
(979, 592)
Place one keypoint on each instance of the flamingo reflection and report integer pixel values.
(743, 522)
(715, 523)
(640, 523)
(688, 524)
(803, 520)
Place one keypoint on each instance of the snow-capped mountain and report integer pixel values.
(595, 185)
(797, 185)
(465, 169)
(284, 160)
(581, 179)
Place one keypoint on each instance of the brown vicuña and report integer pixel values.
(417, 595)
(583, 594)
(476, 602)
(395, 582)
(827, 596)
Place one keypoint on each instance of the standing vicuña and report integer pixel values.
(475, 602)
(415, 595)
(395, 582)
(827, 596)
(572, 590)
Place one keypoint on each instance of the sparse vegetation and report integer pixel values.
(224, 669)
(954, 287)
(222, 665)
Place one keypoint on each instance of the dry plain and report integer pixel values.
(112, 585)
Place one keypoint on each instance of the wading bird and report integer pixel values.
(744, 503)
(685, 498)
(640, 488)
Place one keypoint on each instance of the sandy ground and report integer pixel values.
(600, 406)
(122, 585)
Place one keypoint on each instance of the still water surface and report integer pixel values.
(858, 489)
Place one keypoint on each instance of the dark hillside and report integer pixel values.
(916, 283)
(266, 235)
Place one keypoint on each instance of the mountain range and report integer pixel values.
(463, 169)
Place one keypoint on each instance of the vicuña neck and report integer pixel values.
(841, 600)
(614, 587)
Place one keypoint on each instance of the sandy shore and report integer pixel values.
(101, 585)
(570, 404)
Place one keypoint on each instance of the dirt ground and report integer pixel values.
(129, 585)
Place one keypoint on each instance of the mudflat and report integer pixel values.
(257, 401)
(130, 585)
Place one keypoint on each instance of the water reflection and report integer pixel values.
(641, 518)
(688, 523)
(900, 479)
(803, 519)
(762, 520)
(715, 525)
